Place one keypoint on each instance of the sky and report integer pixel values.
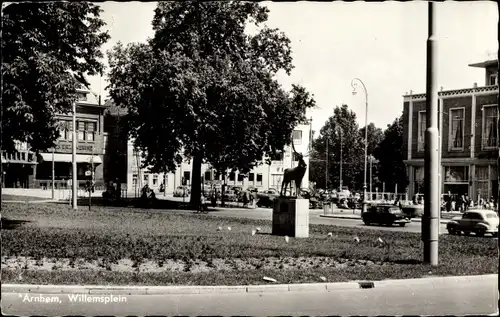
(383, 44)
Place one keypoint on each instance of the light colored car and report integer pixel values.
(181, 191)
(478, 221)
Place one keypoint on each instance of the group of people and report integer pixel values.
(460, 203)
(216, 195)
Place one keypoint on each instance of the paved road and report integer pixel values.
(314, 218)
(478, 296)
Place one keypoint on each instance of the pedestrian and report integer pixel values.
(448, 203)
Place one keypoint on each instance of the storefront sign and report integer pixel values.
(80, 148)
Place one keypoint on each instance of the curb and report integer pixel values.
(171, 290)
(273, 288)
(442, 221)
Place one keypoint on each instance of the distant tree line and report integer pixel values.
(385, 150)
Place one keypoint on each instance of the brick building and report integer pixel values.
(89, 148)
(24, 169)
(468, 124)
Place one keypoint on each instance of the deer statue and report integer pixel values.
(294, 174)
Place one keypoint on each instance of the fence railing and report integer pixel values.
(63, 184)
(386, 196)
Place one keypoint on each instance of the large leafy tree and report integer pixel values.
(392, 169)
(341, 130)
(47, 49)
(205, 89)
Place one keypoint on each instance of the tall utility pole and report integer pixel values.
(341, 144)
(326, 167)
(74, 184)
(430, 221)
(354, 85)
(371, 178)
(53, 175)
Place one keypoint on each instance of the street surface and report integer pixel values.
(314, 218)
(438, 297)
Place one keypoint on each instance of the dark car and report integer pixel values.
(385, 215)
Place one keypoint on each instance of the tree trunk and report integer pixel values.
(196, 181)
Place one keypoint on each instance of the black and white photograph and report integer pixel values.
(247, 158)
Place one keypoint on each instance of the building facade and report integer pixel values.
(24, 169)
(468, 125)
(261, 177)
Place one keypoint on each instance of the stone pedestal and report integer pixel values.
(291, 217)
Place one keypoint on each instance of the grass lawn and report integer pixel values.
(52, 244)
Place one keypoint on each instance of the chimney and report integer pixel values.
(474, 85)
(100, 100)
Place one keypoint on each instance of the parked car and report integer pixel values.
(266, 198)
(384, 214)
(270, 193)
(230, 195)
(478, 221)
(413, 211)
(181, 191)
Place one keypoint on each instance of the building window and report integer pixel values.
(86, 130)
(146, 179)
(208, 176)
(419, 180)
(493, 79)
(456, 174)
(490, 121)
(231, 176)
(422, 125)
(66, 130)
(259, 179)
(482, 182)
(457, 129)
(240, 178)
(297, 137)
(155, 180)
(134, 179)
(82, 96)
(251, 177)
(187, 177)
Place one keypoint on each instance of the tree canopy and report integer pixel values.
(390, 155)
(204, 89)
(47, 49)
(341, 129)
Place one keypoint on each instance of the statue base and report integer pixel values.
(291, 217)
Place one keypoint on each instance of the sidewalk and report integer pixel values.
(263, 288)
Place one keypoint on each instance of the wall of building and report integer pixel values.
(477, 163)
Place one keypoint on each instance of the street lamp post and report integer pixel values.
(430, 220)
(354, 85)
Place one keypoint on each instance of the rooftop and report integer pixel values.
(485, 64)
(463, 91)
